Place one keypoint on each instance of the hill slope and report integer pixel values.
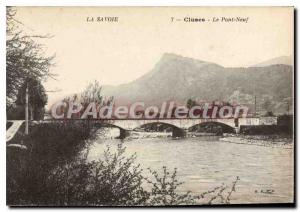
(179, 78)
(285, 60)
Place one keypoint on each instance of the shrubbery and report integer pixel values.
(48, 146)
(55, 172)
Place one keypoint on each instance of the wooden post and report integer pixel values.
(26, 110)
(255, 106)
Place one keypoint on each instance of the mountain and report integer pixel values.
(178, 78)
(285, 60)
(173, 77)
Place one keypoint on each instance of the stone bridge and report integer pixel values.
(179, 126)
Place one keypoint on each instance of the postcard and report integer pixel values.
(150, 106)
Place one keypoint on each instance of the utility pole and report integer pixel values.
(26, 110)
(255, 106)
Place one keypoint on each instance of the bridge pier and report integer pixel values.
(177, 132)
(237, 130)
(124, 133)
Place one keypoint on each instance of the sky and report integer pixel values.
(119, 52)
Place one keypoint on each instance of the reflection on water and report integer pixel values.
(266, 173)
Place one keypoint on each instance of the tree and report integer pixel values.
(37, 97)
(92, 93)
(267, 105)
(24, 58)
(190, 103)
(269, 113)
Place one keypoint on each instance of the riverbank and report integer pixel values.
(284, 141)
(275, 140)
(52, 171)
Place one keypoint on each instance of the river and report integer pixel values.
(265, 172)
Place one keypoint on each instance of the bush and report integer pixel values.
(49, 145)
(113, 180)
(15, 112)
(164, 192)
(54, 171)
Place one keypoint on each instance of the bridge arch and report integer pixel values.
(99, 125)
(123, 132)
(157, 123)
(191, 122)
(176, 131)
(213, 126)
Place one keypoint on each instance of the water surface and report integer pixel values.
(206, 162)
